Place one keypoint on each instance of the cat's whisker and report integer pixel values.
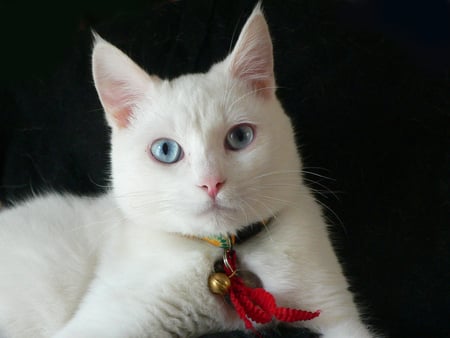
(273, 185)
(108, 186)
(142, 208)
(149, 197)
(295, 180)
(235, 31)
(228, 92)
(95, 110)
(326, 191)
(335, 215)
(314, 170)
(306, 172)
(277, 199)
(294, 203)
(318, 175)
(277, 172)
(251, 209)
(321, 192)
(286, 178)
(271, 212)
(247, 94)
(240, 206)
(294, 189)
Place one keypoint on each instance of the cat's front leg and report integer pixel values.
(303, 272)
(105, 315)
(328, 292)
(121, 311)
(338, 320)
(112, 330)
(347, 329)
(122, 302)
(142, 295)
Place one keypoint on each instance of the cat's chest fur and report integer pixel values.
(170, 272)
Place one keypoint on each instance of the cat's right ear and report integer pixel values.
(121, 84)
(252, 57)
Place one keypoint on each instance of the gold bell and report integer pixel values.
(219, 283)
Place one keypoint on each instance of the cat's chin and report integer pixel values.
(219, 218)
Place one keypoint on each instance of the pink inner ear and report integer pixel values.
(122, 117)
(118, 102)
(263, 87)
(252, 58)
(258, 74)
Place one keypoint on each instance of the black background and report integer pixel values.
(365, 82)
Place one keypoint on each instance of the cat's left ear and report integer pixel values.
(121, 84)
(252, 58)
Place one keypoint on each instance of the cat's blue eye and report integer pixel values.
(166, 151)
(239, 137)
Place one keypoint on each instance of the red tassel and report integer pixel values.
(256, 304)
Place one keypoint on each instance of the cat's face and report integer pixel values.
(204, 153)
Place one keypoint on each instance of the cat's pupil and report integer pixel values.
(239, 137)
(165, 148)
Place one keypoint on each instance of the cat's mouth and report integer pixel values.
(220, 213)
(217, 208)
(223, 216)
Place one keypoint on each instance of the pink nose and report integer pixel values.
(212, 186)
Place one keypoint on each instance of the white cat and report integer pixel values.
(204, 154)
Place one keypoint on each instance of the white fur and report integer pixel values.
(119, 266)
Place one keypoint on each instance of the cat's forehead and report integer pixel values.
(197, 92)
(204, 101)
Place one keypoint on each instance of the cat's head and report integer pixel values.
(204, 153)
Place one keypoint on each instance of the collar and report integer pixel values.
(228, 241)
